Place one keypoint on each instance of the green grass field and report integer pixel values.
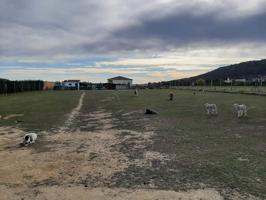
(41, 110)
(223, 152)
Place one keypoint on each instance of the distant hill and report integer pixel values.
(245, 70)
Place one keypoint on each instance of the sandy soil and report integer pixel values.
(81, 193)
(74, 164)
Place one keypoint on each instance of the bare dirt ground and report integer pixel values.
(75, 164)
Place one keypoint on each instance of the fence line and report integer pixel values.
(7, 86)
(251, 90)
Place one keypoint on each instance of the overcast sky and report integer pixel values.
(147, 40)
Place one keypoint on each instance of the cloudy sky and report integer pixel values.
(147, 40)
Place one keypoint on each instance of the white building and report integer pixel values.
(228, 80)
(241, 80)
(71, 84)
(259, 79)
(121, 82)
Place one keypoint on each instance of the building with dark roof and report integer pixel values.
(121, 82)
(71, 84)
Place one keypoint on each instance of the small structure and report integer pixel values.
(241, 80)
(48, 85)
(58, 85)
(228, 80)
(71, 84)
(121, 82)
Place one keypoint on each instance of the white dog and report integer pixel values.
(29, 138)
(211, 109)
(241, 110)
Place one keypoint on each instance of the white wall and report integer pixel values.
(70, 84)
(121, 87)
(122, 82)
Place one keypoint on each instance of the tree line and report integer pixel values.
(7, 86)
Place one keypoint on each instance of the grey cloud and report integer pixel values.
(176, 30)
(81, 27)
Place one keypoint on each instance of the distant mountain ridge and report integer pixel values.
(245, 70)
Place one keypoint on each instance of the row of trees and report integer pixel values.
(7, 86)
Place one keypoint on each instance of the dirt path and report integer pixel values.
(74, 164)
(81, 193)
(73, 114)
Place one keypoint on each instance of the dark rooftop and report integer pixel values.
(71, 80)
(119, 78)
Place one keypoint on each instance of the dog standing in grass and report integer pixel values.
(211, 109)
(241, 110)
